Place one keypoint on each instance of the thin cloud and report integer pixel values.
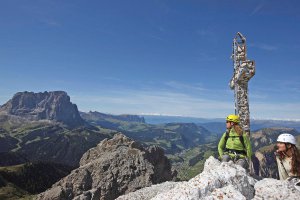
(266, 47)
(183, 86)
(137, 102)
(288, 86)
(111, 78)
(208, 33)
(203, 32)
(275, 110)
(156, 37)
(258, 96)
(257, 9)
(52, 23)
(170, 102)
(206, 57)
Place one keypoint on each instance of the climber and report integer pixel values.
(235, 144)
(287, 157)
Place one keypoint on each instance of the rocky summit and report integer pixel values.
(218, 181)
(114, 167)
(43, 106)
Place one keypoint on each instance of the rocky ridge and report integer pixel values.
(112, 168)
(218, 181)
(43, 106)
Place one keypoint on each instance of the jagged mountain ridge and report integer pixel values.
(31, 125)
(114, 167)
(48, 140)
(54, 105)
(173, 137)
(97, 117)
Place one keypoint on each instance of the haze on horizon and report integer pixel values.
(144, 57)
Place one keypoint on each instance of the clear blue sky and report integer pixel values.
(152, 56)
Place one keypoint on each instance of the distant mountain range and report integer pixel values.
(217, 125)
(48, 127)
(162, 119)
(173, 137)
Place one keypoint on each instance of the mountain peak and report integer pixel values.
(114, 167)
(54, 105)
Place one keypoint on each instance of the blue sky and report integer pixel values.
(152, 57)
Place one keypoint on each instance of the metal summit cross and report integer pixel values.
(244, 70)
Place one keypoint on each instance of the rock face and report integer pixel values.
(218, 181)
(149, 192)
(48, 105)
(269, 188)
(265, 165)
(116, 166)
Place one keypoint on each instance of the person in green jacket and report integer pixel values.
(235, 144)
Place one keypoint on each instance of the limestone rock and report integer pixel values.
(43, 106)
(149, 192)
(114, 167)
(269, 188)
(217, 181)
(225, 193)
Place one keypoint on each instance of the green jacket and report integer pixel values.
(235, 143)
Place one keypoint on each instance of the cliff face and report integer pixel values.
(43, 106)
(114, 167)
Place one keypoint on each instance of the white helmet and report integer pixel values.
(286, 138)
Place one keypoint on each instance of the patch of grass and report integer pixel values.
(9, 169)
(12, 192)
(190, 163)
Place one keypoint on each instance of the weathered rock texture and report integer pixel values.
(43, 106)
(218, 181)
(149, 192)
(269, 188)
(115, 167)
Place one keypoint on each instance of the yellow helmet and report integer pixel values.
(233, 118)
